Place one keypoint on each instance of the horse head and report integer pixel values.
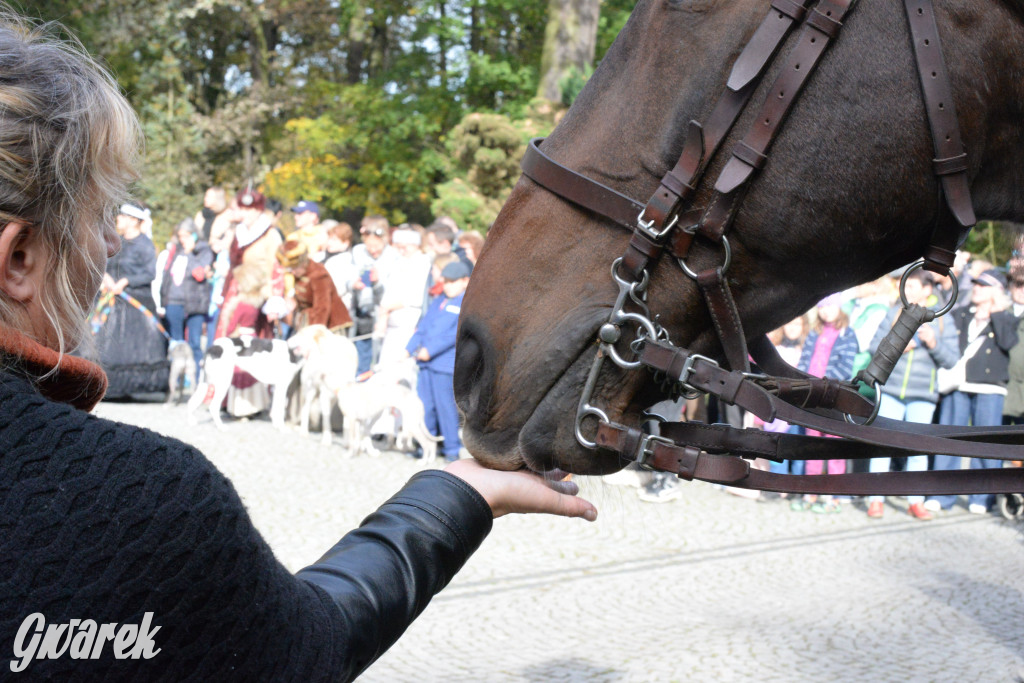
(847, 194)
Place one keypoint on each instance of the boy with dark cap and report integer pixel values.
(433, 347)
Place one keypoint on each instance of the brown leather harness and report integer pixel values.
(669, 222)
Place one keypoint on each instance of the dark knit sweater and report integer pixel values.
(104, 521)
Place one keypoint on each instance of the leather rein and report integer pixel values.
(772, 389)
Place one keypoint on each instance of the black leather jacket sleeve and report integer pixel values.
(381, 576)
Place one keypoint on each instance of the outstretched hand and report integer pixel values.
(522, 491)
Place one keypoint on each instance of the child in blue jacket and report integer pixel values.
(433, 347)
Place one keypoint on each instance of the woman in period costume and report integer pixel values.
(254, 246)
(317, 301)
(131, 345)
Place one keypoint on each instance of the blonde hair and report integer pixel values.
(442, 260)
(841, 323)
(69, 147)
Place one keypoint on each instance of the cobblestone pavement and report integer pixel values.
(707, 587)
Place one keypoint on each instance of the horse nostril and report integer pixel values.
(474, 374)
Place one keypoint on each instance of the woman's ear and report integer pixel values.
(21, 262)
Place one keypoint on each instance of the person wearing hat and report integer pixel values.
(372, 263)
(308, 229)
(911, 393)
(987, 333)
(128, 344)
(433, 347)
(829, 351)
(255, 244)
(316, 300)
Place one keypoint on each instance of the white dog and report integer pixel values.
(269, 361)
(183, 369)
(362, 403)
(330, 362)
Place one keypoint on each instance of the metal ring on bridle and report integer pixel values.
(622, 282)
(584, 412)
(874, 413)
(952, 298)
(725, 266)
(644, 323)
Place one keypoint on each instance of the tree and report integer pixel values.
(348, 101)
(569, 44)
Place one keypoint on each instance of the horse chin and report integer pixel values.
(548, 439)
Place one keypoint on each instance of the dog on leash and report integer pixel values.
(183, 369)
(330, 362)
(269, 361)
(362, 403)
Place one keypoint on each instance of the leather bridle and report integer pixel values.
(668, 222)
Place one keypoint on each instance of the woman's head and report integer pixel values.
(375, 242)
(187, 235)
(248, 206)
(69, 148)
(131, 220)
(829, 312)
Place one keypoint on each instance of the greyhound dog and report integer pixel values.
(330, 362)
(269, 361)
(183, 369)
(362, 403)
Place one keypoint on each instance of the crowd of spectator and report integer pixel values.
(964, 368)
(243, 267)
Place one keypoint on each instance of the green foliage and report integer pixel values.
(370, 152)
(486, 149)
(470, 209)
(350, 102)
(614, 14)
(993, 241)
(572, 83)
(484, 152)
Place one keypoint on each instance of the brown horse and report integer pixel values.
(847, 195)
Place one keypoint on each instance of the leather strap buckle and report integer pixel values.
(645, 451)
(647, 227)
(684, 374)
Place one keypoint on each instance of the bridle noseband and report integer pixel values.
(773, 389)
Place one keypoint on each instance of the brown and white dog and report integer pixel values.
(269, 361)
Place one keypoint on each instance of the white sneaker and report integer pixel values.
(624, 477)
(932, 505)
(977, 509)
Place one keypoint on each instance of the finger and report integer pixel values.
(549, 499)
(568, 488)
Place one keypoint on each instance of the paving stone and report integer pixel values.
(708, 587)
